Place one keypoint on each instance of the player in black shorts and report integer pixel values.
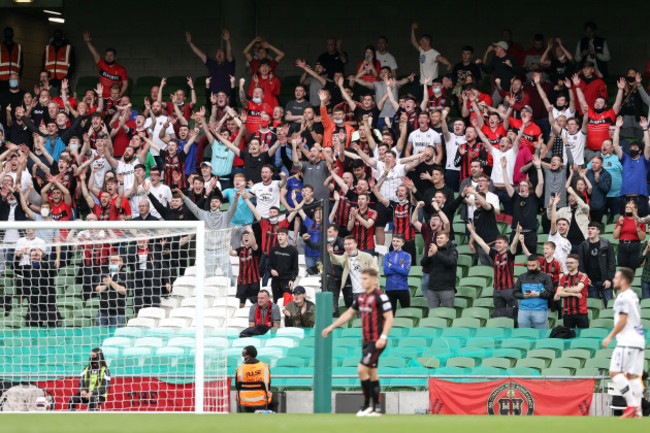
(376, 321)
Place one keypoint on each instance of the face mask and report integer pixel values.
(628, 214)
(113, 268)
(634, 153)
(561, 59)
(45, 212)
(94, 365)
(534, 271)
(600, 110)
(13, 202)
(74, 146)
(243, 359)
(437, 91)
(630, 79)
(13, 83)
(354, 254)
(214, 211)
(257, 100)
(36, 265)
(273, 220)
(338, 121)
(330, 240)
(264, 123)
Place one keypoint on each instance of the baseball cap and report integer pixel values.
(299, 289)
(502, 44)
(209, 164)
(527, 107)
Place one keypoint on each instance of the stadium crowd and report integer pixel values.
(500, 137)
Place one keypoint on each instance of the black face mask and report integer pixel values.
(94, 365)
(631, 79)
(600, 110)
(634, 153)
(628, 214)
(533, 271)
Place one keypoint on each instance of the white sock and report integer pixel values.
(637, 390)
(623, 386)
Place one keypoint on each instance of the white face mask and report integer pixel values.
(330, 240)
(45, 212)
(273, 220)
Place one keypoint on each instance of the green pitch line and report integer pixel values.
(281, 423)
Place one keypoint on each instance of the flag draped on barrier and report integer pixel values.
(511, 397)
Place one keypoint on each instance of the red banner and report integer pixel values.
(136, 394)
(511, 397)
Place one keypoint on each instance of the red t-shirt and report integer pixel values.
(111, 214)
(369, 77)
(109, 75)
(531, 133)
(482, 97)
(493, 137)
(121, 140)
(254, 112)
(185, 109)
(598, 128)
(255, 64)
(628, 230)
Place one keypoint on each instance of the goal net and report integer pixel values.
(115, 316)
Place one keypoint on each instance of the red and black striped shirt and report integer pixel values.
(476, 151)
(249, 265)
(174, 166)
(573, 305)
(365, 237)
(372, 307)
(402, 219)
(343, 213)
(504, 269)
(553, 269)
(270, 233)
(266, 139)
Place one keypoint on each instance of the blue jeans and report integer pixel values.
(311, 261)
(645, 290)
(112, 321)
(595, 290)
(424, 284)
(532, 319)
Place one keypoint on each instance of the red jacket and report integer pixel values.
(596, 88)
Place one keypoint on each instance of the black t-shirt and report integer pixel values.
(112, 303)
(414, 175)
(471, 68)
(560, 71)
(306, 134)
(253, 164)
(373, 112)
(575, 235)
(592, 264)
(486, 224)
(332, 63)
(524, 211)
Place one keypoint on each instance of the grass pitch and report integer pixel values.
(284, 423)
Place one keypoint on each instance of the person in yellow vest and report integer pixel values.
(11, 58)
(253, 380)
(94, 382)
(58, 59)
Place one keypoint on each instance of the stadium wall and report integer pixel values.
(149, 35)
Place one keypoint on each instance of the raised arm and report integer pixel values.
(616, 137)
(515, 240)
(646, 137)
(619, 95)
(477, 239)
(91, 48)
(251, 206)
(309, 71)
(539, 189)
(84, 191)
(414, 39)
(506, 181)
(197, 51)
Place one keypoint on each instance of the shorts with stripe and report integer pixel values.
(370, 354)
(628, 360)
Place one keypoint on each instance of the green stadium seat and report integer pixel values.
(589, 344)
(478, 282)
(428, 362)
(450, 371)
(600, 363)
(587, 372)
(494, 333)
(488, 292)
(416, 271)
(536, 363)
(434, 322)
(580, 354)
(602, 323)
(645, 304)
(443, 312)
(523, 371)
(520, 344)
(484, 342)
(404, 322)
(350, 333)
(551, 343)
(466, 322)
(546, 354)
(461, 303)
(483, 314)
(570, 363)
(411, 342)
(420, 303)
(461, 361)
(605, 353)
(487, 371)
(606, 314)
(481, 271)
(356, 323)
(468, 292)
(291, 361)
(484, 303)
(415, 313)
(459, 333)
(597, 333)
(556, 371)
(529, 333)
(423, 332)
(500, 322)
(465, 261)
(341, 351)
(504, 363)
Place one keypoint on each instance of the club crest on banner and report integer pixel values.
(510, 398)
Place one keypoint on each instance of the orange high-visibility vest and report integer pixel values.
(10, 61)
(57, 63)
(250, 376)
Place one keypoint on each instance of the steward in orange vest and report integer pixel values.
(58, 59)
(253, 380)
(11, 56)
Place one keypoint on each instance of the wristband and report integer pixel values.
(383, 337)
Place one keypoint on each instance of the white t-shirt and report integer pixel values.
(31, 244)
(451, 148)
(355, 274)
(567, 112)
(102, 166)
(490, 197)
(136, 197)
(160, 121)
(25, 179)
(267, 196)
(497, 171)
(627, 302)
(421, 139)
(163, 194)
(393, 180)
(576, 143)
(387, 59)
(428, 64)
(562, 249)
(128, 171)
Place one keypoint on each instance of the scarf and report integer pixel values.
(269, 316)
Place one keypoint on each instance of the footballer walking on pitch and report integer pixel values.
(626, 365)
(376, 321)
